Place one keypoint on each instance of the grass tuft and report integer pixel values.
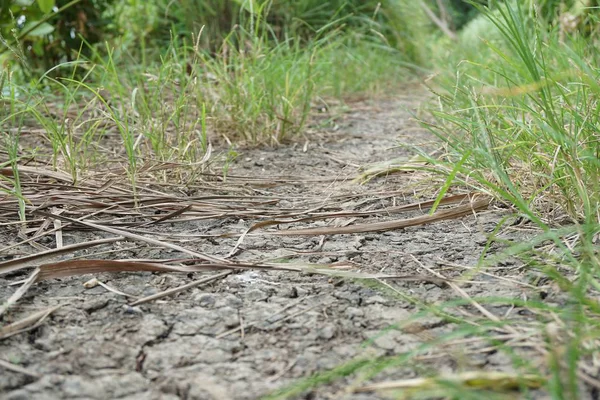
(519, 119)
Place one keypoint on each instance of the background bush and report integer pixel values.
(146, 28)
(40, 37)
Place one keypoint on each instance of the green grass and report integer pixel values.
(522, 120)
(519, 118)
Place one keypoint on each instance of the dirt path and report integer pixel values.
(254, 332)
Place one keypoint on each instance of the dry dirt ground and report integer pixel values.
(252, 333)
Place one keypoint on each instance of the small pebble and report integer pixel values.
(206, 300)
(327, 332)
(132, 310)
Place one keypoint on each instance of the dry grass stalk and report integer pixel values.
(15, 368)
(180, 289)
(500, 381)
(26, 324)
(452, 213)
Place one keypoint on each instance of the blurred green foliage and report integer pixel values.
(397, 22)
(41, 34)
(460, 12)
(64, 28)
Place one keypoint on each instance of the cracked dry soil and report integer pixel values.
(254, 332)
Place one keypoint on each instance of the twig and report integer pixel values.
(15, 368)
(95, 282)
(180, 288)
(441, 24)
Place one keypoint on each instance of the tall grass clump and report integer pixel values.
(525, 112)
(259, 87)
(519, 116)
(262, 79)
